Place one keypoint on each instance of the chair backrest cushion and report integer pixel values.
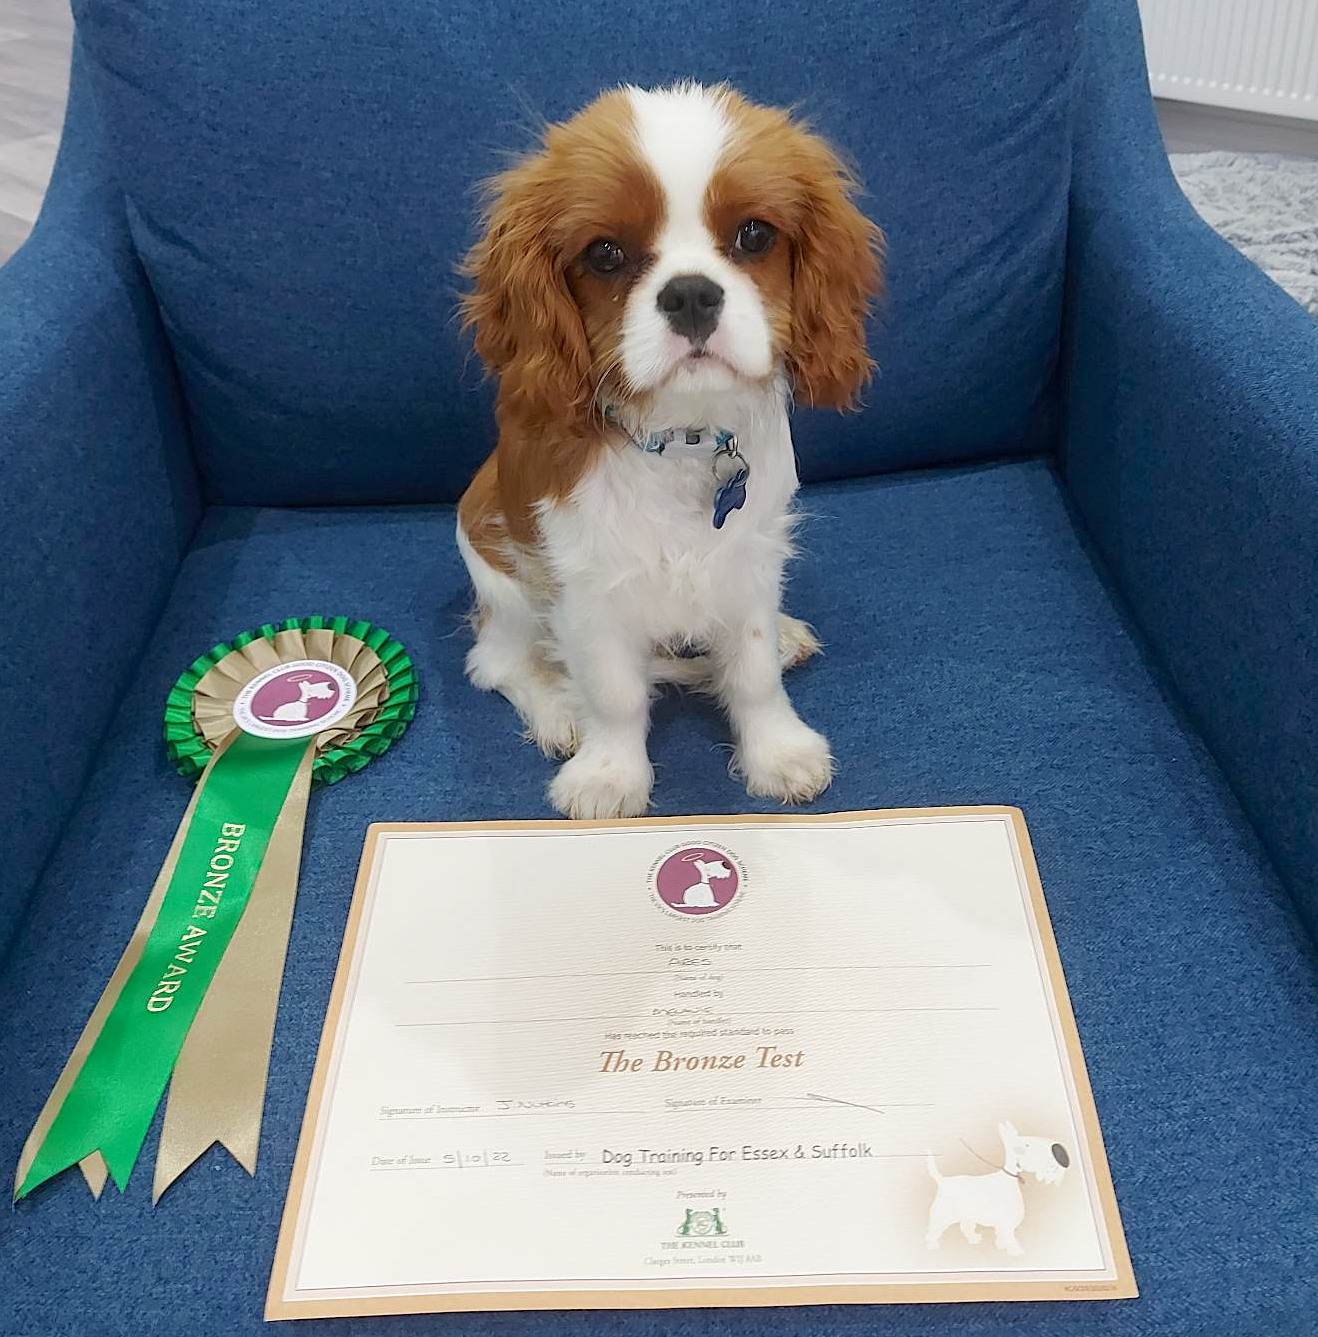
(299, 179)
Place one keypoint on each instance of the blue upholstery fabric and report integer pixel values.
(1191, 445)
(974, 656)
(299, 178)
(99, 497)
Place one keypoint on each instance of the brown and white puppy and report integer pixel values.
(652, 288)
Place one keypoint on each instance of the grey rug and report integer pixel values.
(1266, 205)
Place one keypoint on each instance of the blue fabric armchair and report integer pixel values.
(1065, 558)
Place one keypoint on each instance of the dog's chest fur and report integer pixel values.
(638, 533)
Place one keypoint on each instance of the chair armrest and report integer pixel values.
(99, 495)
(1190, 445)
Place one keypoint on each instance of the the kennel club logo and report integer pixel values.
(697, 881)
(295, 700)
(702, 1223)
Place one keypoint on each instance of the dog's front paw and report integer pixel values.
(596, 786)
(796, 641)
(553, 727)
(790, 762)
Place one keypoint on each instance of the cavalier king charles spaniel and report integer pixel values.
(653, 288)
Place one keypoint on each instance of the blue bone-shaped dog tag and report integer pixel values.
(730, 497)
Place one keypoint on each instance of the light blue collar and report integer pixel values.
(717, 444)
(686, 441)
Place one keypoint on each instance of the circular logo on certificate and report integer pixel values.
(697, 880)
(295, 700)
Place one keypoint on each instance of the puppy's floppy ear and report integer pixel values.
(1007, 1132)
(527, 328)
(837, 273)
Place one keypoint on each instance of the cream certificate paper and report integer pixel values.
(701, 1061)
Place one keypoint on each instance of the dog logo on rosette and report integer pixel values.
(295, 700)
(697, 881)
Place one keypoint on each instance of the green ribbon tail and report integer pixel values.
(113, 1098)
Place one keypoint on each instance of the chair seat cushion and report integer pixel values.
(974, 655)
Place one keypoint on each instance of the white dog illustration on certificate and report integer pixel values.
(994, 1200)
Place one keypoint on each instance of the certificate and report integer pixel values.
(700, 1061)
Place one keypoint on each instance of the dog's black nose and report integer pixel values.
(1060, 1156)
(692, 303)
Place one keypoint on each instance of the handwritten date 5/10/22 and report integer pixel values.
(480, 1158)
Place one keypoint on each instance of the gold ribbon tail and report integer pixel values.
(217, 1091)
(94, 1169)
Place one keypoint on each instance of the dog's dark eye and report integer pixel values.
(754, 237)
(605, 256)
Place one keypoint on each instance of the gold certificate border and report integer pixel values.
(1122, 1286)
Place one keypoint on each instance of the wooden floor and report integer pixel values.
(34, 74)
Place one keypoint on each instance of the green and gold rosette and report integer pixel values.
(255, 723)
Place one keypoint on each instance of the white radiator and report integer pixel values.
(1250, 55)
